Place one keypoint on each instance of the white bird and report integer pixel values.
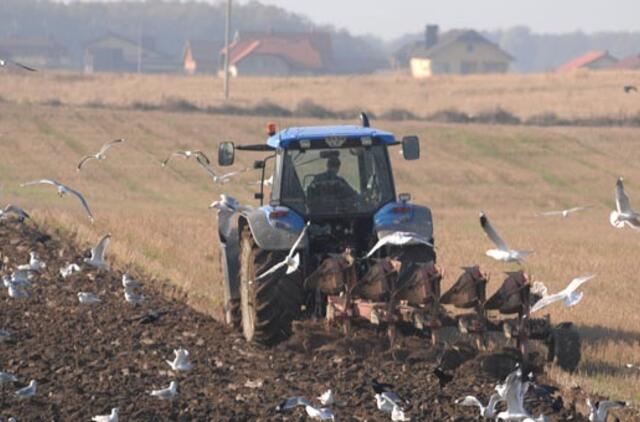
(569, 295)
(129, 282)
(564, 213)
(35, 263)
(292, 402)
(6, 378)
(166, 393)
(100, 155)
(63, 190)
(230, 204)
(397, 415)
(265, 183)
(132, 297)
(16, 210)
(623, 214)
(323, 414)
(4, 62)
(503, 253)
(86, 298)
(97, 254)
(290, 261)
(28, 391)
(398, 239)
(599, 411)
(8, 281)
(16, 292)
(327, 398)
(386, 401)
(69, 269)
(113, 417)
(181, 361)
(219, 178)
(488, 412)
(199, 155)
(513, 391)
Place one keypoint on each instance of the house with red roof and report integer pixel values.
(593, 60)
(629, 63)
(278, 54)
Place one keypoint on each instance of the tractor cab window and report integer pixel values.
(351, 180)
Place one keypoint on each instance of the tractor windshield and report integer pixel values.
(354, 180)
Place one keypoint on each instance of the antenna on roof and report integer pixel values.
(364, 119)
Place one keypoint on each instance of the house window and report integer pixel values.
(470, 48)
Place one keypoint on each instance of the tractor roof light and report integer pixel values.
(271, 129)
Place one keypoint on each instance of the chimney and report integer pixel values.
(431, 36)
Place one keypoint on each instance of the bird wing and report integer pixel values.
(292, 402)
(84, 160)
(576, 209)
(272, 270)
(182, 154)
(469, 401)
(398, 238)
(546, 301)
(233, 173)
(550, 213)
(576, 283)
(82, 201)
(208, 169)
(25, 67)
(200, 156)
(108, 145)
(298, 240)
(607, 405)
(16, 210)
(41, 182)
(98, 251)
(622, 200)
(493, 235)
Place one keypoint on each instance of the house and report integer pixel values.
(278, 54)
(201, 56)
(593, 60)
(115, 53)
(36, 52)
(461, 52)
(629, 63)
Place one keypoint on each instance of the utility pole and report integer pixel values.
(140, 48)
(226, 50)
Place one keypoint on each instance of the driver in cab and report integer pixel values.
(329, 183)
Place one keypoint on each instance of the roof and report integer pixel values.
(629, 62)
(298, 51)
(450, 37)
(285, 137)
(584, 60)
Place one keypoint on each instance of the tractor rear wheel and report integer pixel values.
(564, 346)
(269, 305)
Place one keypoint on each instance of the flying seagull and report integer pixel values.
(63, 190)
(503, 253)
(599, 411)
(219, 178)
(166, 393)
(513, 391)
(623, 214)
(100, 155)
(569, 294)
(564, 213)
(199, 155)
(97, 254)
(113, 417)
(181, 362)
(14, 209)
(290, 261)
(28, 391)
(265, 183)
(488, 412)
(86, 298)
(4, 62)
(629, 88)
(399, 238)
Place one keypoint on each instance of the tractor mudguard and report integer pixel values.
(229, 260)
(275, 228)
(403, 217)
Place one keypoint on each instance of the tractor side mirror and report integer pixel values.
(226, 154)
(411, 147)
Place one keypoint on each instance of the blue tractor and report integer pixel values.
(333, 190)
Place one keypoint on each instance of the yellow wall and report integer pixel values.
(461, 58)
(420, 68)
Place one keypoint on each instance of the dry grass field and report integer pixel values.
(160, 221)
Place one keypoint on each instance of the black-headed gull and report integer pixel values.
(220, 179)
(4, 62)
(28, 391)
(129, 282)
(322, 413)
(112, 417)
(87, 298)
(399, 238)
(569, 294)
(267, 182)
(397, 415)
(6, 377)
(166, 393)
(291, 402)
(291, 261)
(63, 190)
(181, 361)
(327, 398)
(16, 291)
(599, 410)
(199, 155)
(230, 204)
(35, 263)
(503, 253)
(487, 412)
(513, 391)
(16, 210)
(131, 296)
(564, 213)
(101, 155)
(8, 280)
(69, 269)
(623, 214)
(97, 254)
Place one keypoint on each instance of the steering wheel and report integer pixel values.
(373, 189)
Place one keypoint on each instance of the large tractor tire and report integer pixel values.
(269, 305)
(564, 346)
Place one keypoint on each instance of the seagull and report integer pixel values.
(219, 178)
(6, 377)
(132, 297)
(86, 298)
(513, 391)
(292, 402)
(399, 238)
(199, 155)
(503, 253)
(290, 261)
(69, 269)
(488, 412)
(397, 415)
(9, 281)
(265, 183)
(385, 402)
(327, 398)
(599, 411)
(129, 282)
(323, 414)
(4, 62)
(181, 362)
(230, 204)
(15, 291)
(35, 264)
(100, 155)
(629, 88)
(569, 294)
(97, 254)
(63, 190)
(166, 393)
(623, 213)
(564, 213)
(28, 391)
(113, 417)
(14, 209)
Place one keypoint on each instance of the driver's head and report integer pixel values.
(333, 165)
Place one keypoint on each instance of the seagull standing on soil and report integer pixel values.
(503, 253)
(63, 190)
(292, 402)
(100, 155)
(15, 291)
(398, 239)
(28, 391)
(569, 294)
(6, 377)
(86, 298)
(629, 88)
(97, 254)
(166, 393)
(113, 417)
(129, 282)
(8, 281)
(199, 155)
(35, 264)
(181, 362)
(69, 269)
(290, 261)
(132, 297)
(323, 414)
(17, 211)
(488, 412)
(327, 398)
(599, 411)
(623, 214)
(564, 213)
